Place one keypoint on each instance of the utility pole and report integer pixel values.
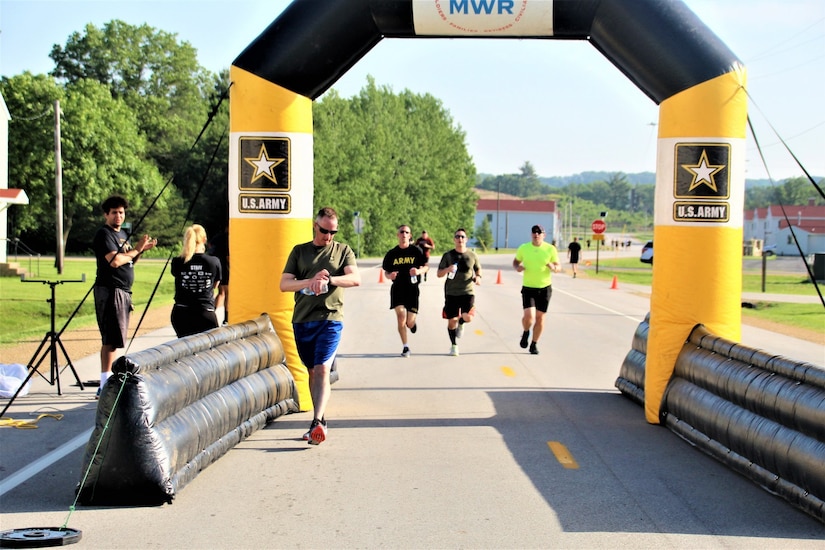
(58, 190)
(498, 209)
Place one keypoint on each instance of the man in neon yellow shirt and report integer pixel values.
(537, 260)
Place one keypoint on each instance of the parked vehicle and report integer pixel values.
(647, 253)
(769, 250)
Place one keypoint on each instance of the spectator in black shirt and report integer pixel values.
(197, 277)
(113, 284)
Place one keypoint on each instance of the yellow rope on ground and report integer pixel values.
(27, 424)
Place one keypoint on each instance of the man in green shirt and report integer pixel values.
(318, 272)
(537, 260)
(463, 270)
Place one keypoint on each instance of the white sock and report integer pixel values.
(104, 377)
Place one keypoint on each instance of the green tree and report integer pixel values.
(101, 149)
(484, 234)
(758, 197)
(30, 101)
(618, 192)
(202, 174)
(155, 75)
(395, 158)
(796, 191)
(524, 184)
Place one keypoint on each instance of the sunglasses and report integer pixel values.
(536, 232)
(327, 231)
(459, 236)
(403, 231)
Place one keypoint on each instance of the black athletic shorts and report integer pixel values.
(538, 298)
(113, 308)
(457, 305)
(406, 296)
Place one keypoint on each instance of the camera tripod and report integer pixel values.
(52, 338)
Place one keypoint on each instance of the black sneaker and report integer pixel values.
(524, 338)
(414, 328)
(533, 349)
(405, 352)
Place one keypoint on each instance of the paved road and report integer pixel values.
(433, 451)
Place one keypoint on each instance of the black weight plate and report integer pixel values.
(39, 537)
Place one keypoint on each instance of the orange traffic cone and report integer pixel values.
(381, 276)
(498, 279)
(615, 284)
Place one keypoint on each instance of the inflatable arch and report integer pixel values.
(660, 45)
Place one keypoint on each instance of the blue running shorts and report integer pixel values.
(317, 341)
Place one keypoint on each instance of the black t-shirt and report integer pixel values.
(574, 249)
(195, 280)
(401, 260)
(108, 240)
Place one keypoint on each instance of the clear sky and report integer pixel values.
(558, 104)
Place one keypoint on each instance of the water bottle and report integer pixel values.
(414, 279)
(308, 291)
(451, 274)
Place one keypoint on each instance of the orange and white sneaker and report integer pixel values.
(317, 432)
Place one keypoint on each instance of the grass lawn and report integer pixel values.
(807, 316)
(24, 307)
(24, 310)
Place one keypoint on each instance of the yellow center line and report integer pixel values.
(563, 455)
(507, 371)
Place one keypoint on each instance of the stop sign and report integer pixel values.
(598, 227)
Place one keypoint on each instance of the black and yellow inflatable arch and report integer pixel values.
(660, 45)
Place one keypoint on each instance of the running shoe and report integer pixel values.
(459, 330)
(414, 328)
(525, 336)
(305, 437)
(454, 350)
(533, 349)
(405, 352)
(318, 433)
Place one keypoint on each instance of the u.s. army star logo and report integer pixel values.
(702, 171)
(264, 163)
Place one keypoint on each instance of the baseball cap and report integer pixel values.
(537, 229)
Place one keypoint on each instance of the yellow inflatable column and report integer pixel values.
(270, 203)
(700, 190)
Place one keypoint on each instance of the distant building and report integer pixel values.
(769, 225)
(511, 220)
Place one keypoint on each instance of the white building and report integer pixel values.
(511, 220)
(771, 226)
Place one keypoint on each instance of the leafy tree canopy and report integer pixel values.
(101, 150)
(395, 159)
(153, 73)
